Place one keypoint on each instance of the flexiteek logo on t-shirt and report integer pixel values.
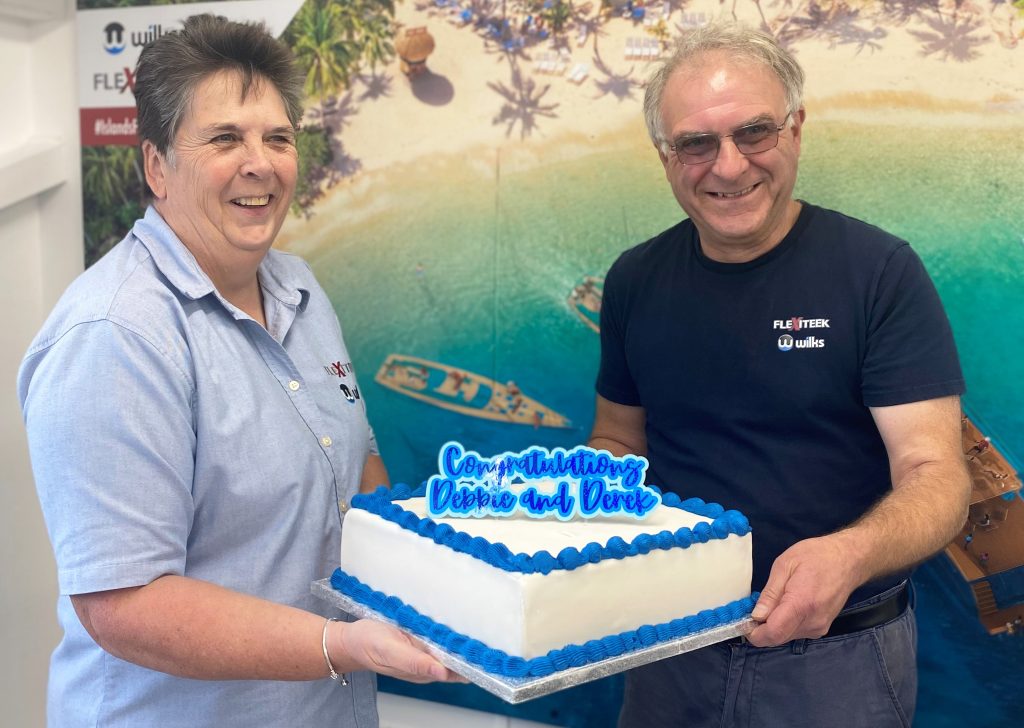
(787, 342)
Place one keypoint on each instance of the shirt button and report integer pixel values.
(326, 441)
(343, 506)
(293, 385)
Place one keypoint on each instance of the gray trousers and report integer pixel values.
(865, 679)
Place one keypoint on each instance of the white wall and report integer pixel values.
(40, 252)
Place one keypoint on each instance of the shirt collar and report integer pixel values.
(182, 270)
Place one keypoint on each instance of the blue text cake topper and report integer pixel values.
(588, 483)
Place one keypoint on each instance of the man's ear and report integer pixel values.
(155, 165)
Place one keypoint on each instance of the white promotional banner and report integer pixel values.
(109, 42)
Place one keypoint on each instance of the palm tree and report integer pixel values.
(557, 14)
(378, 37)
(327, 53)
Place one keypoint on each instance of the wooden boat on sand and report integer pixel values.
(464, 392)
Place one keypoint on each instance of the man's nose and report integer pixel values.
(730, 162)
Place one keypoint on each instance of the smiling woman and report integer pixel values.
(191, 491)
(226, 182)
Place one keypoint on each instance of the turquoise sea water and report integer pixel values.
(470, 264)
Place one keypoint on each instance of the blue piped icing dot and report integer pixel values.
(544, 563)
(592, 552)
(443, 533)
(683, 537)
(643, 543)
(569, 558)
(619, 549)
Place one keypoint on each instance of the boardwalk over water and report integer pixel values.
(995, 524)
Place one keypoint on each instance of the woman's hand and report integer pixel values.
(385, 649)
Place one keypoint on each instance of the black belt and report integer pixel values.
(871, 615)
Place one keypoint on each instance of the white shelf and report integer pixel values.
(34, 167)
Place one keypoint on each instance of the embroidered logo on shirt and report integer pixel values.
(786, 342)
(351, 394)
(337, 369)
(343, 369)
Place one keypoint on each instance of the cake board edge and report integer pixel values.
(515, 690)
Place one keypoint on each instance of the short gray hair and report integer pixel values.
(172, 66)
(736, 39)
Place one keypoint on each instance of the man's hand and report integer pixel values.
(382, 648)
(808, 586)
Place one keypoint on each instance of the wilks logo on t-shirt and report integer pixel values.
(787, 342)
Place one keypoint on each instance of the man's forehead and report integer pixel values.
(718, 81)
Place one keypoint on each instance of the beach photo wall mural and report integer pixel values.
(469, 169)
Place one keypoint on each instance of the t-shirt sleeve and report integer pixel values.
(614, 381)
(112, 442)
(910, 354)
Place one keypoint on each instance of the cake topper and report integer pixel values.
(588, 483)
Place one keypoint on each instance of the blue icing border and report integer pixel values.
(724, 523)
(501, 663)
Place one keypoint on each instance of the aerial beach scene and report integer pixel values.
(473, 167)
(471, 204)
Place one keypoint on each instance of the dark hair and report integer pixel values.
(172, 66)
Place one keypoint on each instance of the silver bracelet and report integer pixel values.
(327, 657)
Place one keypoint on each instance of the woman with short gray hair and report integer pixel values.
(189, 440)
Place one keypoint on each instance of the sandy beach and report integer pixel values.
(561, 97)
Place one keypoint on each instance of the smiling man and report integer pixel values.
(795, 364)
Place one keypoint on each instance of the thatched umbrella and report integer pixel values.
(413, 47)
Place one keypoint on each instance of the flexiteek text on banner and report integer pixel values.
(109, 42)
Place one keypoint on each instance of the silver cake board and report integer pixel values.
(520, 689)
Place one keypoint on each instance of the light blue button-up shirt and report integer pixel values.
(170, 433)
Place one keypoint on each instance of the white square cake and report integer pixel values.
(543, 594)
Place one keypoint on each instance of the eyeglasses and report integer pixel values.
(750, 139)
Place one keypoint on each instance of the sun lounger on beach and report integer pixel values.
(547, 62)
(632, 52)
(693, 20)
(579, 73)
(561, 61)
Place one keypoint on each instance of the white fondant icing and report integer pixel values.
(530, 614)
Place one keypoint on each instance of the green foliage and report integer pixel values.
(113, 196)
(332, 40)
(315, 155)
(557, 15)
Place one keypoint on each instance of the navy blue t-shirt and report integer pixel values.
(756, 377)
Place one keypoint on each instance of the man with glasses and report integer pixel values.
(795, 364)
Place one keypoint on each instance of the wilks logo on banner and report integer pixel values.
(109, 43)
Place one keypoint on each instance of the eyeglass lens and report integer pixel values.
(750, 139)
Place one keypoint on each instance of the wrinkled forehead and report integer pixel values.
(223, 94)
(719, 82)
